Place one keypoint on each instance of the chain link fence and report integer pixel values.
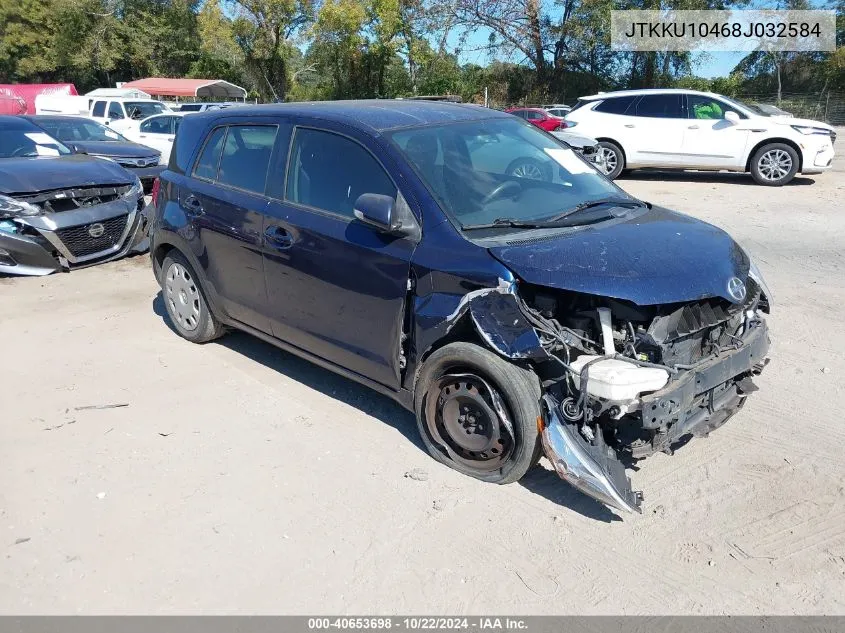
(827, 106)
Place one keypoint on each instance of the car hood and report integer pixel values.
(791, 120)
(653, 258)
(116, 149)
(31, 174)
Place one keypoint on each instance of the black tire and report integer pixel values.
(769, 164)
(613, 152)
(529, 168)
(179, 283)
(519, 390)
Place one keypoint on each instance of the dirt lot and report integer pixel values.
(241, 479)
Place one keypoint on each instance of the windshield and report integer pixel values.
(481, 172)
(29, 142)
(142, 109)
(72, 129)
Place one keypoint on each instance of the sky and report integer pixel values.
(707, 65)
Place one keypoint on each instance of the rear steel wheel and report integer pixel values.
(185, 302)
(182, 296)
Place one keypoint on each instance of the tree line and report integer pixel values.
(534, 50)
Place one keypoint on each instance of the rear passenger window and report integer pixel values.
(115, 111)
(206, 166)
(617, 105)
(329, 172)
(666, 106)
(246, 156)
(99, 109)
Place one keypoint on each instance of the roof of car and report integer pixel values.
(15, 122)
(35, 118)
(375, 114)
(645, 91)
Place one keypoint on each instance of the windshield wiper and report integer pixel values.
(501, 222)
(617, 202)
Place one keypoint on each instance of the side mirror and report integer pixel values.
(77, 150)
(378, 210)
(732, 117)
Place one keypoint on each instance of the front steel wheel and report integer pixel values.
(465, 416)
(477, 412)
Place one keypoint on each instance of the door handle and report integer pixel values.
(630, 125)
(193, 205)
(279, 237)
(692, 127)
(170, 138)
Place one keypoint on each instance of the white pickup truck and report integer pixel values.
(123, 114)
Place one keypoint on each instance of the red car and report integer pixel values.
(538, 117)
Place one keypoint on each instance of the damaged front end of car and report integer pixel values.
(623, 381)
(71, 227)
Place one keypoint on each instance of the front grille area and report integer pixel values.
(80, 243)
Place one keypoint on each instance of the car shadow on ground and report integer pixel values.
(725, 178)
(539, 480)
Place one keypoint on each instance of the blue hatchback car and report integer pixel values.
(470, 266)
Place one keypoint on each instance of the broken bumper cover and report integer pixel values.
(40, 245)
(695, 403)
(591, 468)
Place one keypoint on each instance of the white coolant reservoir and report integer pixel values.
(618, 380)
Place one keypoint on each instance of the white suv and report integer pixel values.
(687, 129)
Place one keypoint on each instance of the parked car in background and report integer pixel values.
(203, 107)
(588, 147)
(60, 210)
(538, 117)
(687, 129)
(392, 242)
(85, 136)
(157, 132)
(559, 110)
(767, 109)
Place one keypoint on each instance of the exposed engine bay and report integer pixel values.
(623, 381)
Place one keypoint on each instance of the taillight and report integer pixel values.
(156, 189)
(563, 125)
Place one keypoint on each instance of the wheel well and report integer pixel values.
(615, 142)
(158, 257)
(772, 141)
(463, 330)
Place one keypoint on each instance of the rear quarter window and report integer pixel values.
(246, 157)
(209, 158)
(615, 105)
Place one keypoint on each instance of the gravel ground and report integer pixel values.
(240, 479)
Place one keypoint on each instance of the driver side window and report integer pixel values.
(701, 107)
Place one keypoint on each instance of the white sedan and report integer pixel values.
(158, 132)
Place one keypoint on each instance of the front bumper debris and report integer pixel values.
(693, 404)
(591, 468)
(43, 244)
